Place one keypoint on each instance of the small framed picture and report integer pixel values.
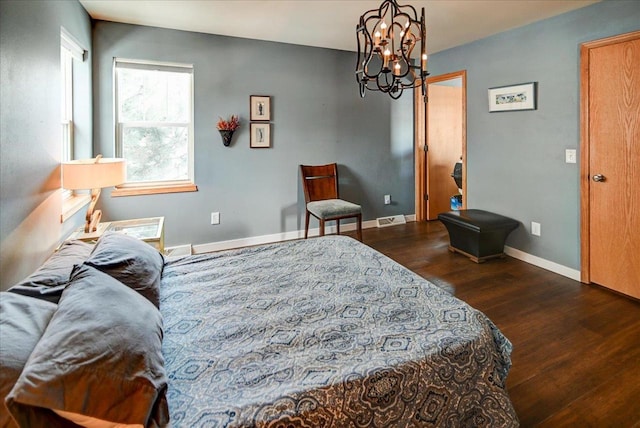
(260, 107)
(260, 135)
(513, 98)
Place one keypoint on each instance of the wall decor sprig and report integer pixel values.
(227, 128)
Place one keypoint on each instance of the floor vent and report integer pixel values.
(390, 221)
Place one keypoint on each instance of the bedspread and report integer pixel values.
(325, 332)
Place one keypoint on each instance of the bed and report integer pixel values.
(324, 332)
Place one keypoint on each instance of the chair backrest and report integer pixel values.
(320, 182)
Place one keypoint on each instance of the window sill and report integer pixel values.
(72, 205)
(153, 190)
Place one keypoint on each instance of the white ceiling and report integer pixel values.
(328, 23)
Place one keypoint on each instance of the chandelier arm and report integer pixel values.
(396, 94)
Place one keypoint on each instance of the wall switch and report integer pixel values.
(535, 228)
(387, 199)
(215, 218)
(570, 156)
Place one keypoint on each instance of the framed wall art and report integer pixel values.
(260, 135)
(513, 98)
(260, 107)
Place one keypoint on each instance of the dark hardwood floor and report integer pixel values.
(576, 356)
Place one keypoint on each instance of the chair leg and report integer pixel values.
(338, 226)
(359, 221)
(306, 225)
(321, 227)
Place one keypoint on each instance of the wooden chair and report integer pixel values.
(320, 185)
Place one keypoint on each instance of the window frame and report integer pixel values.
(158, 186)
(70, 50)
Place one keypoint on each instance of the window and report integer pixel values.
(154, 125)
(70, 53)
(66, 98)
(70, 50)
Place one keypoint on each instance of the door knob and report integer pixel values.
(599, 177)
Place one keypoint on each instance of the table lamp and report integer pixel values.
(94, 174)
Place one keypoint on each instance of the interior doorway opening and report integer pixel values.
(440, 141)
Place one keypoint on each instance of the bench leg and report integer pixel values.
(474, 258)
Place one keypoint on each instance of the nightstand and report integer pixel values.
(150, 230)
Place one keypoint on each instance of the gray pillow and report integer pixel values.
(50, 280)
(100, 356)
(22, 322)
(131, 261)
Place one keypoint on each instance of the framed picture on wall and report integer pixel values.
(513, 98)
(260, 107)
(260, 135)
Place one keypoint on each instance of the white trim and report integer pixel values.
(176, 67)
(178, 250)
(73, 204)
(279, 237)
(543, 263)
(371, 224)
(71, 44)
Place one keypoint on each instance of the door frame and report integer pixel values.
(585, 140)
(420, 126)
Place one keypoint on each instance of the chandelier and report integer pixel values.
(386, 39)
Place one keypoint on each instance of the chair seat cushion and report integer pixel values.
(333, 208)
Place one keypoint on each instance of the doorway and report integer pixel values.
(440, 142)
(610, 161)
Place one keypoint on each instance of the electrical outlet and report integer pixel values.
(535, 228)
(387, 199)
(215, 218)
(570, 156)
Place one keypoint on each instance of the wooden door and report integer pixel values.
(444, 139)
(610, 167)
(442, 127)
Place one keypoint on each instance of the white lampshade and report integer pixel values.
(93, 174)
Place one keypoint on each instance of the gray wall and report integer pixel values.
(516, 161)
(317, 117)
(30, 136)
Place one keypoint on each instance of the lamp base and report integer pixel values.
(93, 220)
(93, 215)
(91, 236)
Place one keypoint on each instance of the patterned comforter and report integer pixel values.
(325, 332)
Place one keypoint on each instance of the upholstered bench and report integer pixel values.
(478, 234)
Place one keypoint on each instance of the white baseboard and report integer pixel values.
(178, 250)
(543, 263)
(278, 237)
(298, 234)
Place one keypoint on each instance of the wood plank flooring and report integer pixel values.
(576, 357)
